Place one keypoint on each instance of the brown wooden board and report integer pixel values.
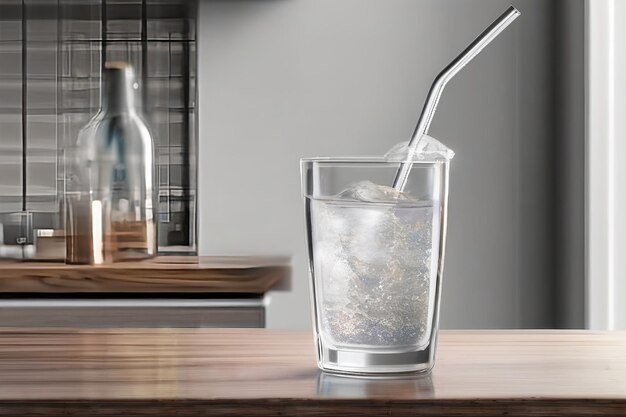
(166, 274)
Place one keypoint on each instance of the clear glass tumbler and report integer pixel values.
(376, 262)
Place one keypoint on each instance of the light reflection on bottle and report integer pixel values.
(96, 231)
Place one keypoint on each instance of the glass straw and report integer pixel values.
(440, 82)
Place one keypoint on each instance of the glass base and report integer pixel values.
(358, 362)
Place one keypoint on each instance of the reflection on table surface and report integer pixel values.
(409, 386)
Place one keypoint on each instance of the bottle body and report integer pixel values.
(111, 212)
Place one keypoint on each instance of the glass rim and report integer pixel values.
(369, 159)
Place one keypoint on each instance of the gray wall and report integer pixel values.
(569, 165)
(284, 79)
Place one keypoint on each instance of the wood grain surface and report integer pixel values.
(197, 372)
(165, 274)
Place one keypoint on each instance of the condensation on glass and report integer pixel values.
(51, 59)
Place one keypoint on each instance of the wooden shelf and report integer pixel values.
(193, 372)
(180, 274)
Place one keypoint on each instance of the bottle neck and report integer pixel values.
(118, 93)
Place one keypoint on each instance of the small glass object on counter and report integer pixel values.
(110, 184)
(376, 261)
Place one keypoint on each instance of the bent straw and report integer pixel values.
(440, 82)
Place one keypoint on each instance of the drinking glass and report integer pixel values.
(376, 260)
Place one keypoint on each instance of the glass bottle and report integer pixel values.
(111, 197)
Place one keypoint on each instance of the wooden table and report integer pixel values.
(173, 372)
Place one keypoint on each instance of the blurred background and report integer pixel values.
(52, 53)
(237, 91)
(285, 79)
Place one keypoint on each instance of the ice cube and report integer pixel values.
(428, 149)
(369, 192)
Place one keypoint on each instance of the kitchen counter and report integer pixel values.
(257, 372)
(168, 291)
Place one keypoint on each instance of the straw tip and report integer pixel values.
(514, 10)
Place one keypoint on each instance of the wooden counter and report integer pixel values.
(178, 274)
(166, 372)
